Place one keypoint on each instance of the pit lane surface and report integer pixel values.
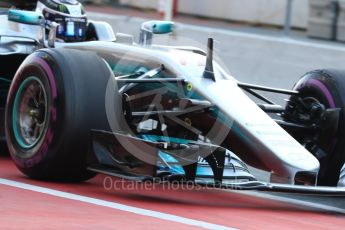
(110, 203)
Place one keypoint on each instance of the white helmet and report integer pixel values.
(70, 16)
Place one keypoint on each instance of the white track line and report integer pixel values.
(113, 205)
(229, 32)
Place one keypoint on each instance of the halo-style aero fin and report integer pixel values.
(208, 72)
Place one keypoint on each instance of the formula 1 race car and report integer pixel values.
(79, 100)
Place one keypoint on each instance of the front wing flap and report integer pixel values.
(108, 156)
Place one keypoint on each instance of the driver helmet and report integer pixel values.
(70, 16)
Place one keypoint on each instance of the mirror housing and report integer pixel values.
(149, 28)
(25, 17)
(158, 27)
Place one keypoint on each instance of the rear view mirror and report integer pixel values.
(158, 27)
(25, 17)
(148, 29)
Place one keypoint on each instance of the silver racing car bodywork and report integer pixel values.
(242, 126)
(276, 150)
(341, 182)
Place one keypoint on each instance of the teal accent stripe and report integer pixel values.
(16, 129)
(26, 17)
(164, 138)
(5, 80)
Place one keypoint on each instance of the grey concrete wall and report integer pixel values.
(254, 11)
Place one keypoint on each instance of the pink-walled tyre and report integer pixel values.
(55, 99)
(326, 87)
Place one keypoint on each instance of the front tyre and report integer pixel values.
(55, 99)
(320, 90)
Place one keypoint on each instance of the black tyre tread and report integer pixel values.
(81, 79)
(335, 82)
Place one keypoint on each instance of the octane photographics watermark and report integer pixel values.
(114, 184)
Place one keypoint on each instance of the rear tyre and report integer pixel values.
(55, 99)
(326, 87)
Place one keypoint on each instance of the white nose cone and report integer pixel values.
(341, 182)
